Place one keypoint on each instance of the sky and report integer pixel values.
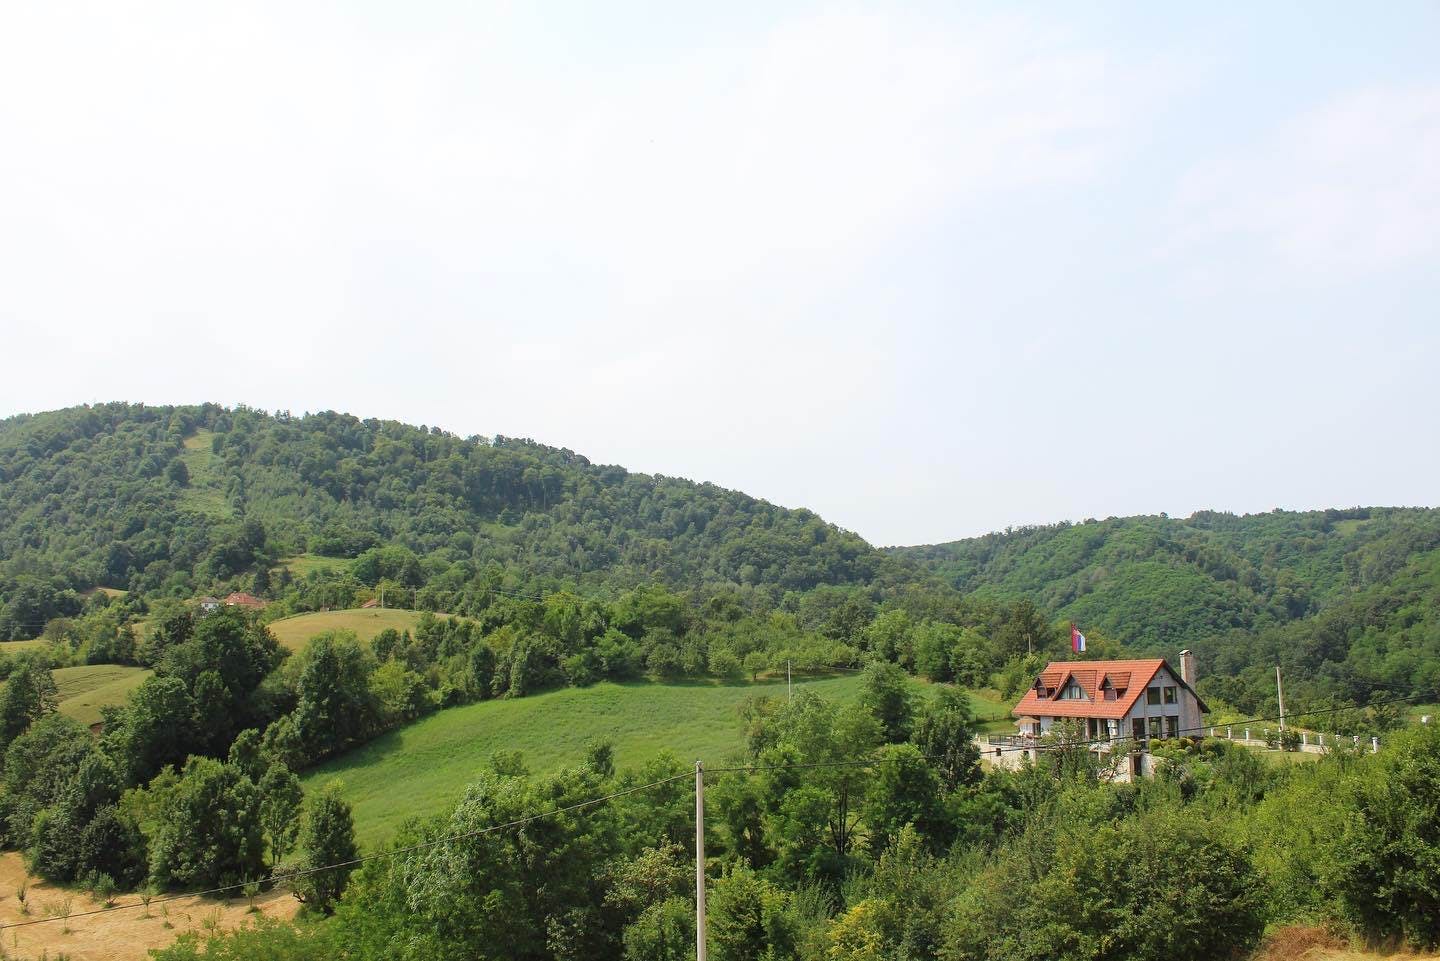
(928, 270)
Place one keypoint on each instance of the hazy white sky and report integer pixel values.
(929, 271)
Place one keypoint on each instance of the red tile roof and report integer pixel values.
(1132, 676)
(242, 599)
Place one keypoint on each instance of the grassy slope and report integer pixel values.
(423, 768)
(16, 647)
(84, 690)
(293, 632)
(302, 564)
(204, 493)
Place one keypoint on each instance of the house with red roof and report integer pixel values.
(1116, 704)
(242, 599)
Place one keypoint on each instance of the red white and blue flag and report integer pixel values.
(1077, 640)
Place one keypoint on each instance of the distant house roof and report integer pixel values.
(207, 601)
(1094, 677)
(242, 599)
(373, 602)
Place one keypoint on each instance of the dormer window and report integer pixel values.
(1072, 692)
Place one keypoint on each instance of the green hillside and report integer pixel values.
(293, 632)
(195, 495)
(85, 690)
(422, 768)
(1344, 600)
(1161, 583)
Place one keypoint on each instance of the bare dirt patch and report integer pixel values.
(1312, 943)
(124, 935)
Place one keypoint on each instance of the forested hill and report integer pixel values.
(1161, 582)
(176, 497)
(1348, 601)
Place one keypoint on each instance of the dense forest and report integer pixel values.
(170, 498)
(1347, 602)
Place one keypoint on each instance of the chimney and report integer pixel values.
(1187, 667)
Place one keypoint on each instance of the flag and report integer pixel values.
(1077, 640)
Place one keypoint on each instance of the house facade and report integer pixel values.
(1117, 705)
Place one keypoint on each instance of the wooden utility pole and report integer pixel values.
(789, 694)
(699, 862)
(1280, 696)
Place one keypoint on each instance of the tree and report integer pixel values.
(898, 909)
(1024, 630)
(207, 830)
(945, 732)
(663, 932)
(1386, 861)
(247, 754)
(39, 766)
(749, 918)
(886, 695)
(1164, 884)
(29, 694)
(327, 838)
(889, 636)
(935, 643)
(215, 713)
(904, 790)
(335, 707)
(280, 801)
(281, 743)
(152, 730)
(227, 642)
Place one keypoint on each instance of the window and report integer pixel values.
(1171, 695)
(1137, 728)
(1155, 727)
(1172, 726)
(1072, 692)
(1152, 695)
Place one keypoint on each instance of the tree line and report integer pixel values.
(916, 853)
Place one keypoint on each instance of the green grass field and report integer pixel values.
(423, 768)
(293, 632)
(17, 647)
(204, 493)
(85, 690)
(303, 564)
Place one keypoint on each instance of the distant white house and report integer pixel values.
(1119, 705)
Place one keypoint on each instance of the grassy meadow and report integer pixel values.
(423, 768)
(19, 647)
(204, 494)
(303, 564)
(293, 632)
(85, 690)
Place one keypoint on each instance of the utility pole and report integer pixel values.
(382, 597)
(1280, 696)
(789, 693)
(699, 862)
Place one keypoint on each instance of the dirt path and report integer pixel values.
(125, 935)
